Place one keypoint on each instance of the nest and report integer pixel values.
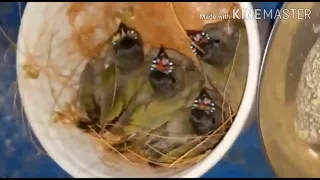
(83, 40)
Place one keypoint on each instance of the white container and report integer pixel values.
(74, 151)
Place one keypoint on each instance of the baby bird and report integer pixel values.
(173, 83)
(184, 129)
(96, 87)
(205, 115)
(218, 42)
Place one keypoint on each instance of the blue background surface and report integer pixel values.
(20, 158)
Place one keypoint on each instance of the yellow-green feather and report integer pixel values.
(161, 108)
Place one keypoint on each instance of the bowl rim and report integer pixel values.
(248, 100)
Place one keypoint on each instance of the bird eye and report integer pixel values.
(173, 80)
(216, 41)
(213, 120)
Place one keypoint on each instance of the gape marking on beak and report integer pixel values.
(204, 102)
(198, 39)
(123, 31)
(162, 62)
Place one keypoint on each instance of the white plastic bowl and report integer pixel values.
(74, 151)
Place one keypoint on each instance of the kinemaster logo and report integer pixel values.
(247, 14)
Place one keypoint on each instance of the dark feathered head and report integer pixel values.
(161, 73)
(204, 114)
(216, 44)
(128, 48)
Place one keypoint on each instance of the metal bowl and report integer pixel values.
(288, 48)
